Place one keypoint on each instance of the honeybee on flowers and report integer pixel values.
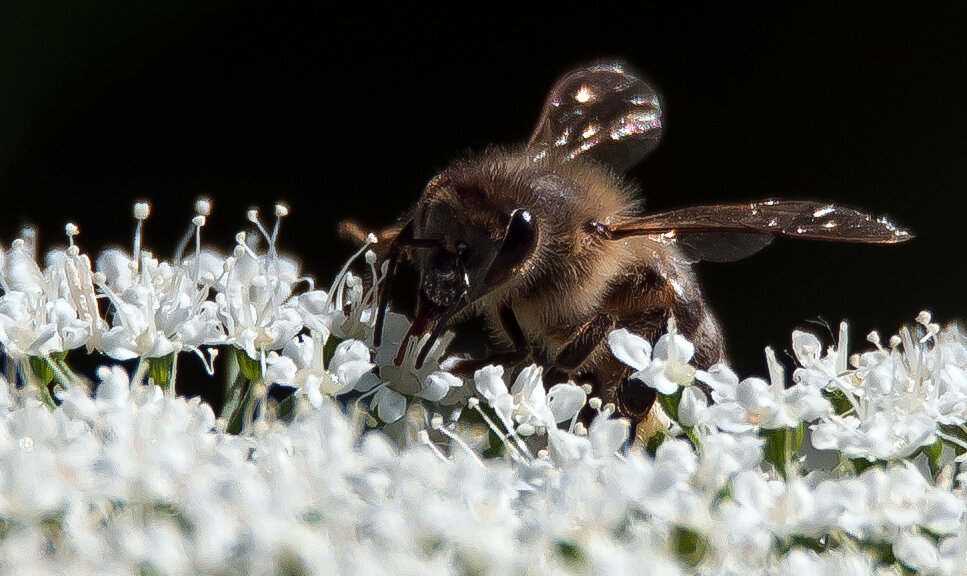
(546, 241)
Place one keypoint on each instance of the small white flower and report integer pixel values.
(313, 379)
(807, 347)
(754, 403)
(395, 382)
(253, 302)
(883, 436)
(349, 363)
(527, 407)
(438, 384)
(723, 455)
(567, 448)
(531, 400)
(666, 370)
(392, 383)
(317, 312)
(389, 404)
(608, 435)
(897, 396)
(565, 401)
(946, 395)
(629, 348)
(279, 369)
(489, 381)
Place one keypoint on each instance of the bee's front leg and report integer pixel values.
(520, 351)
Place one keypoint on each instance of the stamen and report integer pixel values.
(72, 230)
(203, 206)
(141, 212)
(842, 348)
(424, 438)
(281, 210)
(515, 448)
(253, 217)
(455, 439)
(341, 277)
(28, 241)
(198, 222)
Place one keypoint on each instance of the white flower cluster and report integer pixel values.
(899, 399)
(246, 301)
(893, 402)
(136, 479)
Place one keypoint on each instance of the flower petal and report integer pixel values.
(806, 347)
(629, 348)
(674, 347)
(489, 381)
(437, 384)
(348, 351)
(390, 405)
(565, 401)
(349, 374)
(721, 379)
(608, 435)
(528, 379)
(693, 407)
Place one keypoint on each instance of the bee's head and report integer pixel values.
(466, 263)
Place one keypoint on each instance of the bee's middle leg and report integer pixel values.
(587, 339)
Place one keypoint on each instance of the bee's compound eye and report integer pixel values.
(519, 241)
(521, 234)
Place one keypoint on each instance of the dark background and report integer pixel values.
(349, 117)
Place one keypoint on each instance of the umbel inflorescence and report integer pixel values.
(375, 466)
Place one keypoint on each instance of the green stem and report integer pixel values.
(239, 406)
(40, 372)
(670, 403)
(47, 398)
(161, 372)
(692, 436)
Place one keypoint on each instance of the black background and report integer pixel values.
(350, 116)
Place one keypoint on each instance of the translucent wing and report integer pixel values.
(726, 232)
(602, 112)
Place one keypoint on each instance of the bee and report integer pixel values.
(546, 241)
